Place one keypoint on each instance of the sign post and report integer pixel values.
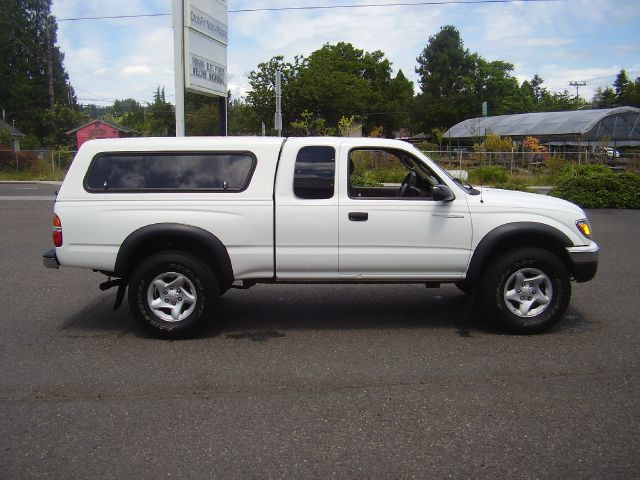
(201, 26)
(178, 64)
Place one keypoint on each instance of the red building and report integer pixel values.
(100, 129)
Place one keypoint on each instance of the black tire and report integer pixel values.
(182, 307)
(526, 291)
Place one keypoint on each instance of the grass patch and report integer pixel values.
(40, 170)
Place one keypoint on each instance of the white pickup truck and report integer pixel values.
(179, 221)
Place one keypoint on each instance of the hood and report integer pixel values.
(495, 197)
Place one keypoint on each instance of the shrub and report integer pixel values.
(577, 170)
(491, 174)
(556, 164)
(364, 181)
(428, 147)
(7, 159)
(26, 160)
(599, 189)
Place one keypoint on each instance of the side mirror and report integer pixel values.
(442, 193)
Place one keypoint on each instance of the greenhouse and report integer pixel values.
(613, 126)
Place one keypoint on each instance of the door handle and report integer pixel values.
(358, 216)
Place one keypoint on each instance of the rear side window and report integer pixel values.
(118, 172)
(315, 170)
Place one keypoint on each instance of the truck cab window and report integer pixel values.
(388, 173)
(314, 174)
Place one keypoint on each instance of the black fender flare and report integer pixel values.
(162, 236)
(510, 231)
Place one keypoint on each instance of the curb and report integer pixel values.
(43, 182)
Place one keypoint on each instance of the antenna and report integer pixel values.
(577, 85)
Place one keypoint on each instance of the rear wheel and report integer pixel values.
(526, 290)
(171, 294)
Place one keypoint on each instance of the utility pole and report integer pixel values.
(577, 85)
(49, 22)
(278, 116)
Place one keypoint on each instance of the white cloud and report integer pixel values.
(136, 70)
(561, 41)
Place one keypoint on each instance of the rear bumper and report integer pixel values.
(585, 262)
(50, 259)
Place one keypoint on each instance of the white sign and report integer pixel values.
(206, 70)
(207, 25)
(205, 46)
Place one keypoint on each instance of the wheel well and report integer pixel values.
(513, 242)
(145, 242)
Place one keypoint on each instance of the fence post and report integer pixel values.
(511, 159)
(53, 165)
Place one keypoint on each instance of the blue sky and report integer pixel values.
(563, 41)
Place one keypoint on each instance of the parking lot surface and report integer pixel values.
(293, 381)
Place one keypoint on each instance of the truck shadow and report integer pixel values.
(344, 307)
(269, 311)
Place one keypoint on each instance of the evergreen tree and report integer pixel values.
(160, 118)
(33, 80)
(621, 84)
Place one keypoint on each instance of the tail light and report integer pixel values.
(57, 231)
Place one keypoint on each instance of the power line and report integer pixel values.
(320, 7)
(396, 4)
(113, 17)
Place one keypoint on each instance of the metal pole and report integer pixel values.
(222, 115)
(178, 64)
(278, 116)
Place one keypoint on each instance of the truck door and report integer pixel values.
(306, 212)
(390, 226)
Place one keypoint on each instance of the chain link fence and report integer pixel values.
(37, 164)
(534, 162)
(53, 164)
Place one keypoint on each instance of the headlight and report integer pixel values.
(584, 227)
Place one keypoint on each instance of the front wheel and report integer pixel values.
(526, 290)
(171, 294)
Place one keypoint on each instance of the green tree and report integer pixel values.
(341, 80)
(31, 66)
(261, 97)
(58, 121)
(398, 104)
(333, 82)
(445, 67)
(494, 84)
(202, 116)
(450, 89)
(160, 118)
(311, 125)
(242, 118)
(621, 84)
(631, 96)
(5, 138)
(604, 98)
(128, 112)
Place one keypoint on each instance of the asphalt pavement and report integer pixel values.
(299, 381)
